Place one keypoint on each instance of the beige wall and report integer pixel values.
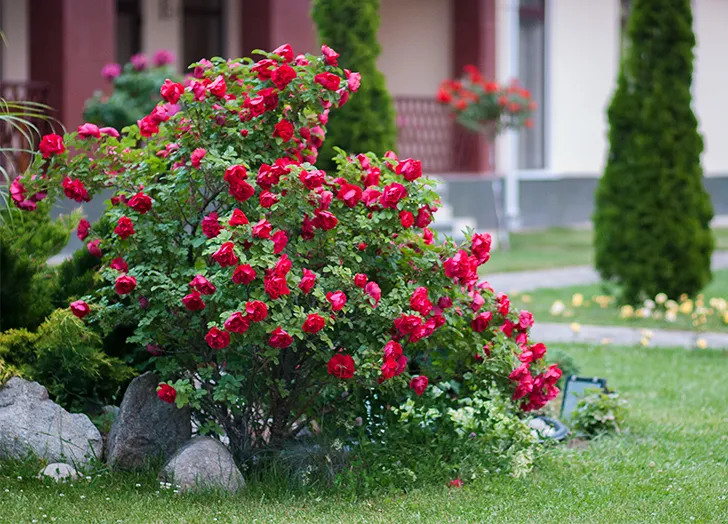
(710, 82)
(581, 72)
(162, 30)
(16, 55)
(416, 41)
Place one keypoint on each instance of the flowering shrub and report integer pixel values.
(136, 90)
(484, 105)
(273, 295)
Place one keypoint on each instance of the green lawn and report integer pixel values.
(540, 302)
(557, 247)
(669, 466)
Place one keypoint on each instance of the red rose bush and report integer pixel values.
(277, 296)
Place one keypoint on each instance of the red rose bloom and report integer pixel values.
(407, 219)
(372, 289)
(280, 241)
(424, 217)
(350, 195)
(360, 280)
(211, 225)
(119, 265)
(244, 274)
(82, 229)
(353, 80)
(193, 301)
(80, 308)
(480, 246)
(392, 194)
(406, 324)
(235, 174)
(241, 191)
(312, 179)
(419, 384)
(262, 229)
(267, 199)
(276, 286)
(410, 169)
(313, 324)
(51, 145)
(330, 56)
(238, 218)
(308, 281)
(337, 300)
(89, 130)
(285, 52)
(217, 338)
(166, 393)
(328, 81)
(256, 310)
(392, 350)
(325, 220)
(225, 256)
(148, 126)
(201, 284)
(237, 323)
(480, 323)
(284, 130)
(75, 190)
(525, 320)
(124, 228)
(196, 157)
(171, 91)
(279, 339)
(140, 203)
(341, 366)
(218, 87)
(503, 303)
(419, 301)
(93, 248)
(282, 76)
(456, 483)
(125, 284)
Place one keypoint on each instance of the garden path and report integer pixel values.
(551, 332)
(562, 277)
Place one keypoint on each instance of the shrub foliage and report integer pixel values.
(276, 297)
(652, 218)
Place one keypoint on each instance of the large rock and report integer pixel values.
(31, 423)
(203, 463)
(146, 430)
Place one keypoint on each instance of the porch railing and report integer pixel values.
(13, 138)
(427, 132)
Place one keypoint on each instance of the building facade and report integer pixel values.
(566, 52)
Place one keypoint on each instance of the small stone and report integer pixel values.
(203, 463)
(58, 471)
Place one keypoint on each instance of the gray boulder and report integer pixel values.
(30, 423)
(203, 463)
(146, 430)
(58, 472)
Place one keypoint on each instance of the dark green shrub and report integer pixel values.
(366, 122)
(26, 284)
(652, 218)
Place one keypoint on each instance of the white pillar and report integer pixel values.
(507, 43)
(162, 29)
(15, 62)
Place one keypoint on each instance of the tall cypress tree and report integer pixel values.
(652, 218)
(366, 122)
